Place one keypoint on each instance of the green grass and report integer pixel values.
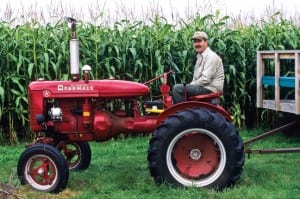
(119, 170)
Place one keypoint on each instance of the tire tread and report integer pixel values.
(205, 119)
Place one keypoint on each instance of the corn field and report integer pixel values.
(134, 51)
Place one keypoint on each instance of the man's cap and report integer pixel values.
(200, 35)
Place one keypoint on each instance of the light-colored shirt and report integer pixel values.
(209, 71)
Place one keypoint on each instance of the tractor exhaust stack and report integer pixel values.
(74, 51)
(74, 59)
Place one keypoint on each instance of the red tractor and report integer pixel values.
(193, 144)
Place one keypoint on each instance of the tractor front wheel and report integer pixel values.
(77, 154)
(44, 168)
(196, 148)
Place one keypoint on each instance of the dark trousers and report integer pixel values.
(191, 90)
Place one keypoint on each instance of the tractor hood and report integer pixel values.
(94, 88)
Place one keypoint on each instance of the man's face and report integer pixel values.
(200, 45)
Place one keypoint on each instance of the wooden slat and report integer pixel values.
(285, 106)
(297, 76)
(268, 104)
(278, 51)
(282, 56)
(277, 87)
(268, 56)
(259, 74)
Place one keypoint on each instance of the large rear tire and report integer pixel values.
(44, 168)
(196, 148)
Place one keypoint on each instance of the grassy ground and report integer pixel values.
(119, 170)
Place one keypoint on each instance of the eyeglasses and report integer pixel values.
(197, 40)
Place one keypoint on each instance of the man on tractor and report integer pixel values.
(208, 72)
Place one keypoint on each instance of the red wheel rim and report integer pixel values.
(195, 155)
(72, 153)
(41, 172)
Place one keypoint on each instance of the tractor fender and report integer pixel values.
(193, 105)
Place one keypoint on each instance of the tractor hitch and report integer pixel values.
(265, 135)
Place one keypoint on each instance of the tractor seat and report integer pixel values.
(210, 97)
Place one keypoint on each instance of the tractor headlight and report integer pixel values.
(55, 114)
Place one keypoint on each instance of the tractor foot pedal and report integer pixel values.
(153, 106)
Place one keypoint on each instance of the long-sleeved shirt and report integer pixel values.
(209, 71)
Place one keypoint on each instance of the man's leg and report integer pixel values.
(177, 93)
(192, 90)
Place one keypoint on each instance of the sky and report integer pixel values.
(114, 10)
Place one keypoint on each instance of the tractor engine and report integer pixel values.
(86, 110)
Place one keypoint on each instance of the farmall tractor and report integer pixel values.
(193, 143)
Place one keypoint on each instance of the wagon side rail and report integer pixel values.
(277, 104)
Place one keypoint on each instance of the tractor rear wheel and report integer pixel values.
(44, 168)
(77, 154)
(196, 148)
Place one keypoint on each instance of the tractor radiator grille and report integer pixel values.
(31, 111)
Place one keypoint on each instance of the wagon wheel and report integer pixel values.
(44, 168)
(196, 148)
(77, 154)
